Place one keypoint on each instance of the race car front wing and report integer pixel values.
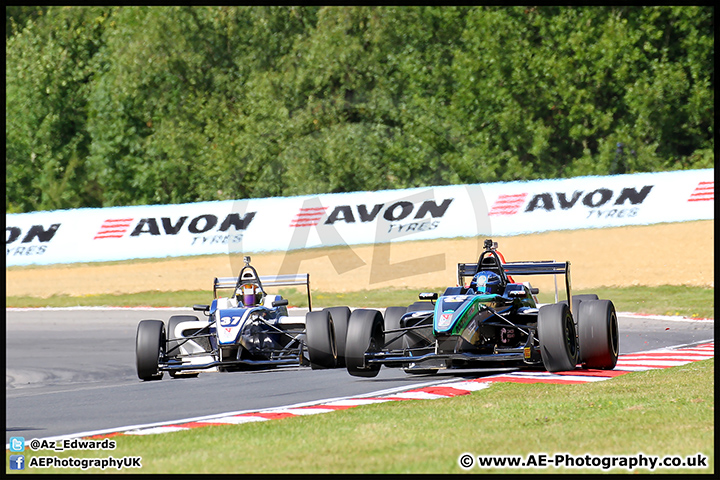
(528, 354)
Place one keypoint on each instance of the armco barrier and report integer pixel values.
(290, 223)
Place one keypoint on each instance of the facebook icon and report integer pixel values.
(17, 462)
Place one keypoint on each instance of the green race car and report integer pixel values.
(492, 322)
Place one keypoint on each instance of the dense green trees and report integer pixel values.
(139, 105)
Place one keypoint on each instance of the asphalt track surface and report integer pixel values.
(70, 371)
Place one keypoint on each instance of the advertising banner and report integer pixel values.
(291, 223)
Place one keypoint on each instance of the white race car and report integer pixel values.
(248, 329)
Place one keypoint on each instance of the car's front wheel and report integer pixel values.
(576, 301)
(598, 334)
(150, 349)
(365, 334)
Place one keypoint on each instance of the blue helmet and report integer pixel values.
(487, 282)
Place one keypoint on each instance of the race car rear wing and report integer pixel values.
(271, 281)
(545, 267)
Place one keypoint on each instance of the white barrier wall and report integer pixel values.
(267, 224)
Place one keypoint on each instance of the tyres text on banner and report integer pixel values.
(291, 223)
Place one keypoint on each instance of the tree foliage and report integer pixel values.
(114, 106)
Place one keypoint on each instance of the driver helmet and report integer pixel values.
(487, 282)
(250, 294)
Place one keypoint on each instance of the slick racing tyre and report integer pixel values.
(150, 349)
(320, 340)
(576, 300)
(598, 334)
(365, 334)
(392, 322)
(173, 349)
(340, 317)
(558, 338)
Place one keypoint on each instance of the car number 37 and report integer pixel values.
(230, 321)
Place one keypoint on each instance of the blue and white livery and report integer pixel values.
(247, 329)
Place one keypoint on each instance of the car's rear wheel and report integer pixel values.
(598, 334)
(392, 322)
(340, 317)
(365, 334)
(150, 349)
(173, 348)
(320, 339)
(558, 338)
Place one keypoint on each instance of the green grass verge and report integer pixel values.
(663, 300)
(656, 413)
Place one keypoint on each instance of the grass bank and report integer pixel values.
(653, 413)
(663, 300)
